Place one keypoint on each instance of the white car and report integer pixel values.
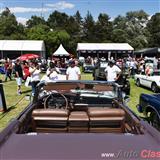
(150, 81)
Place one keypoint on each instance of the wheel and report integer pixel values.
(154, 87)
(57, 102)
(154, 120)
(138, 83)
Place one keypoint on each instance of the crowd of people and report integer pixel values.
(32, 69)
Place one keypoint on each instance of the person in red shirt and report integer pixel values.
(26, 70)
(8, 70)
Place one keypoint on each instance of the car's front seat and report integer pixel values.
(106, 120)
(50, 120)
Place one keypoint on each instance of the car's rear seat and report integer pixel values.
(96, 119)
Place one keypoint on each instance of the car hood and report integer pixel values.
(151, 97)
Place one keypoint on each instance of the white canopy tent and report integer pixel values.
(16, 48)
(115, 50)
(61, 52)
(104, 46)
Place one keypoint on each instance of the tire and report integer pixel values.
(154, 120)
(138, 83)
(154, 87)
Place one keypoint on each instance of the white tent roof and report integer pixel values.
(61, 52)
(22, 45)
(104, 46)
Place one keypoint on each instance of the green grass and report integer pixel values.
(134, 95)
(15, 104)
(15, 108)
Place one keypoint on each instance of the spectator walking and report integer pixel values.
(35, 75)
(18, 76)
(73, 72)
(8, 70)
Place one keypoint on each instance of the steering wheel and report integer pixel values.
(52, 95)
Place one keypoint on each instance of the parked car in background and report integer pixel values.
(151, 81)
(87, 68)
(149, 105)
(98, 72)
(77, 120)
(81, 60)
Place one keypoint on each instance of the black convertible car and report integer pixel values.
(78, 120)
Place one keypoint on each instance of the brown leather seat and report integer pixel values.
(106, 120)
(50, 120)
(78, 121)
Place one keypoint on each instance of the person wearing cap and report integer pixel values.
(112, 71)
(73, 72)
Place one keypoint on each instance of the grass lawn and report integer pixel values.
(16, 103)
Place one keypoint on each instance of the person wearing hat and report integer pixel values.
(112, 71)
(73, 72)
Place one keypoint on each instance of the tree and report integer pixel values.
(133, 29)
(153, 27)
(119, 36)
(78, 18)
(38, 32)
(9, 27)
(103, 28)
(57, 20)
(35, 20)
(89, 28)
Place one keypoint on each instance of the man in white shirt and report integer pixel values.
(73, 72)
(35, 75)
(113, 72)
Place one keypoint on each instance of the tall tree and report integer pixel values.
(154, 28)
(103, 28)
(133, 28)
(89, 28)
(9, 26)
(57, 20)
(35, 20)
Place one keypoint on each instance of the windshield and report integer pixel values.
(81, 89)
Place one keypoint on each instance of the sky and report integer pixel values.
(24, 9)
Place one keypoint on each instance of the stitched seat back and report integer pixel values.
(78, 121)
(50, 120)
(106, 120)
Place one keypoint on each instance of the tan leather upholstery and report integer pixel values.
(106, 120)
(103, 87)
(50, 112)
(78, 121)
(96, 120)
(105, 112)
(50, 120)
